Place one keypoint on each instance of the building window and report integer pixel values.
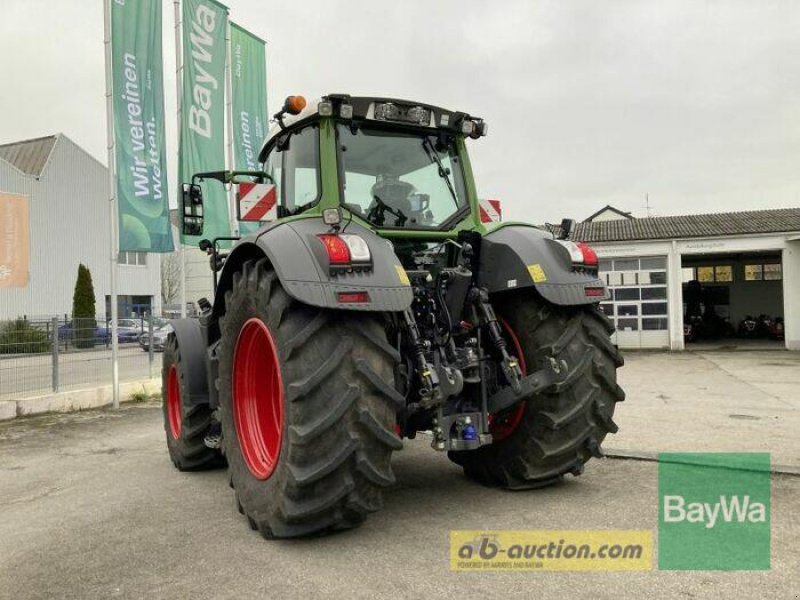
(628, 324)
(133, 258)
(626, 264)
(654, 308)
(657, 262)
(773, 272)
(626, 294)
(654, 293)
(723, 274)
(753, 272)
(768, 272)
(688, 274)
(705, 274)
(710, 274)
(658, 278)
(655, 324)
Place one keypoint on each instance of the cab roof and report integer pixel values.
(363, 109)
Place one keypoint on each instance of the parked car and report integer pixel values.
(159, 338)
(101, 333)
(129, 330)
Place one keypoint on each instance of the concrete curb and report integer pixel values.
(75, 400)
(653, 457)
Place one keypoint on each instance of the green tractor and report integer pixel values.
(377, 305)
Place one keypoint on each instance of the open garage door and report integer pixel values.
(733, 300)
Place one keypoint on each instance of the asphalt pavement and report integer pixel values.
(91, 507)
(711, 401)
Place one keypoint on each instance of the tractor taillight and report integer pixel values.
(589, 255)
(346, 248)
(580, 253)
(359, 250)
(594, 292)
(336, 247)
(353, 297)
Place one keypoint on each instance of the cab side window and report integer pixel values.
(294, 164)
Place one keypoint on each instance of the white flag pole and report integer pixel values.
(179, 83)
(112, 206)
(229, 110)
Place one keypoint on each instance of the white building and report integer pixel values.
(67, 195)
(744, 263)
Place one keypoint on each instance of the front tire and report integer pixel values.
(308, 408)
(554, 433)
(186, 425)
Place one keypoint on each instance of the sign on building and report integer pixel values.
(14, 241)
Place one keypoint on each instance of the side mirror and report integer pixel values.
(567, 225)
(192, 209)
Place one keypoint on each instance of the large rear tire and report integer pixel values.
(308, 408)
(185, 425)
(551, 434)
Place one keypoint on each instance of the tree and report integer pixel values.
(84, 321)
(170, 278)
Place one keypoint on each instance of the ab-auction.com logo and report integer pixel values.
(551, 550)
(714, 511)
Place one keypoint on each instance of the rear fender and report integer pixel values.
(519, 256)
(301, 263)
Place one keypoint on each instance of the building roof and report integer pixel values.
(609, 208)
(29, 156)
(776, 220)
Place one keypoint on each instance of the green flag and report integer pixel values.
(202, 141)
(248, 103)
(139, 138)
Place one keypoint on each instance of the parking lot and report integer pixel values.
(90, 506)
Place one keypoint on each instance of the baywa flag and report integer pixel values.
(139, 138)
(202, 141)
(249, 102)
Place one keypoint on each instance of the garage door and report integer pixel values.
(638, 305)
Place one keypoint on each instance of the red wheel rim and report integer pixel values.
(504, 423)
(257, 398)
(174, 402)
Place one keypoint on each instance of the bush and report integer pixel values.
(20, 337)
(84, 320)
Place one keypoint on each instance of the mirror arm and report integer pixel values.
(213, 250)
(226, 177)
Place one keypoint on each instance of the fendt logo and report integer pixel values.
(731, 509)
(714, 511)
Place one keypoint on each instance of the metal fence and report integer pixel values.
(39, 355)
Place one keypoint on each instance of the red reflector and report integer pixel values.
(353, 297)
(338, 252)
(589, 255)
(595, 291)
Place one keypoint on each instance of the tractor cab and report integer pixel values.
(398, 164)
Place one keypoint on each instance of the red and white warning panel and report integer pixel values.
(257, 202)
(490, 211)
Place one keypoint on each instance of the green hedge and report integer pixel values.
(20, 337)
